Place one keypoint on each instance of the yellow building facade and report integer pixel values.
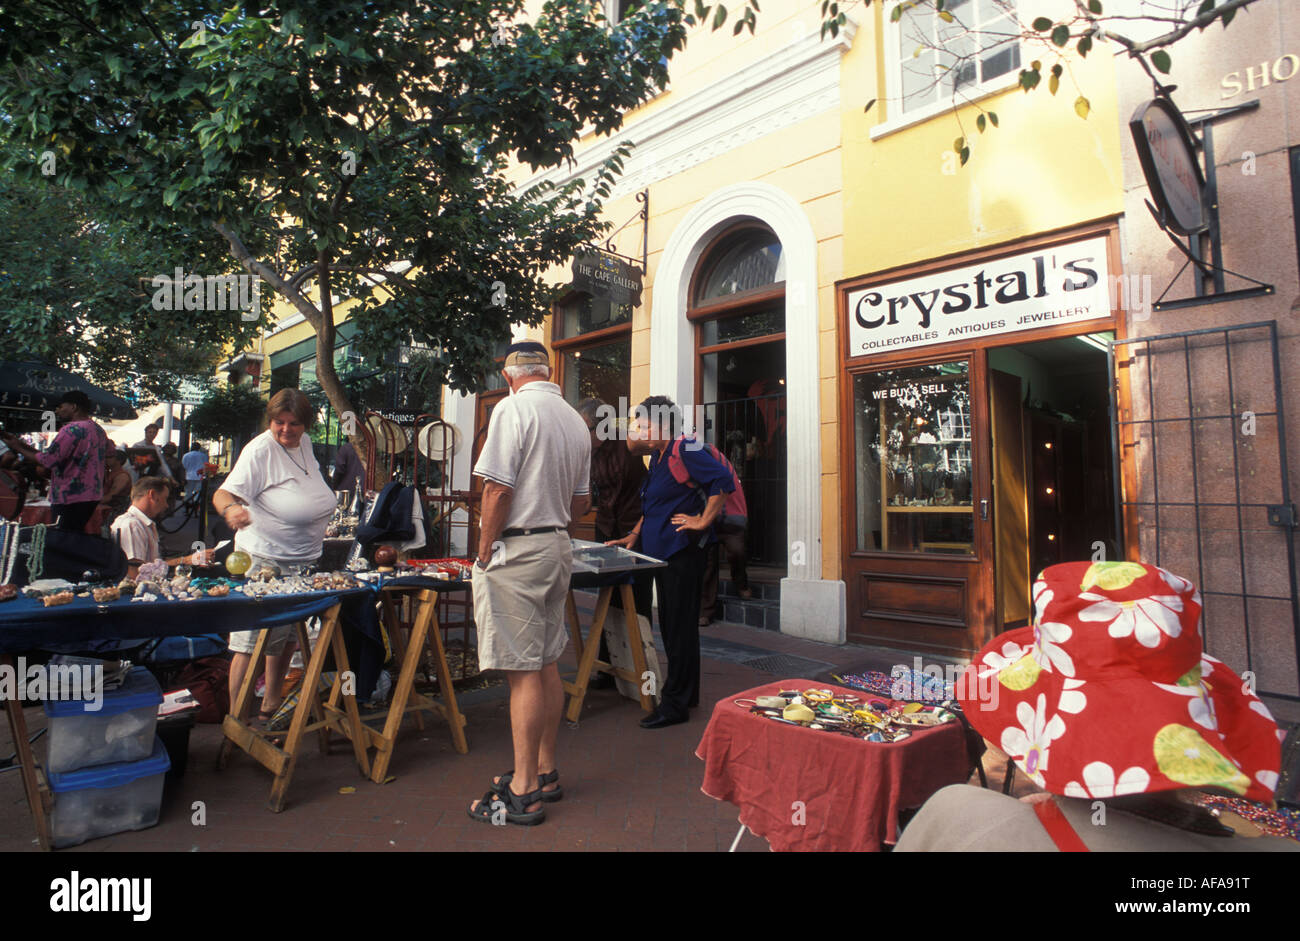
(825, 159)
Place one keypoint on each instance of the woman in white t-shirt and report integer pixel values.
(279, 505)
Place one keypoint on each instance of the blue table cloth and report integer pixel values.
(26, 624)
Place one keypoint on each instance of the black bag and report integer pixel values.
(70, 555)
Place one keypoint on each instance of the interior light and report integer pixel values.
(1051, 537)
(781, 381)
(1050, 491)
(1048, 445)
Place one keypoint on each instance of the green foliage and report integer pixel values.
(227, 412)
(369, 139)
(75, 292)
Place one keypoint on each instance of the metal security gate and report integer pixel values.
(1203, 488)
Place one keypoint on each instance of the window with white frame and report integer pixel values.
(939, 58)
(618, 10)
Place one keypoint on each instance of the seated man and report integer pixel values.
(136, 531)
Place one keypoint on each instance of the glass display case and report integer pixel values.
(913, 429)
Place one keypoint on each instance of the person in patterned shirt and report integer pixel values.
(75, 461)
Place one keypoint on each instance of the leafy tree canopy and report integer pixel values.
(228, 411)
(343, 149)
(75, 292)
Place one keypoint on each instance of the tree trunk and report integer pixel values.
(326, 375)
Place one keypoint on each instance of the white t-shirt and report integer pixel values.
(290, 507)
(137, 535)
(538, 445)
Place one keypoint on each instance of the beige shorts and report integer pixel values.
(281, 634)
(519, 602)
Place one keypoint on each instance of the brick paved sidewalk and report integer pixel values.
(626, 788)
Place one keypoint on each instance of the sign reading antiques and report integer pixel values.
(1042, 288)
(605, 276)
(1167, 151)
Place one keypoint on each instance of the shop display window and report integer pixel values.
(912, 429)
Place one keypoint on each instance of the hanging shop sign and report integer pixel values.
(1043, 288)
(1167, 151)
(606, 276)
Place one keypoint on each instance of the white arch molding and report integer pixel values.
(810, 606)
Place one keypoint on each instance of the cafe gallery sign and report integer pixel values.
(1042, 288)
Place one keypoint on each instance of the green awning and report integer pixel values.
(307, 348)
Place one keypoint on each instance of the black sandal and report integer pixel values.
(514, 805)
(551, 777)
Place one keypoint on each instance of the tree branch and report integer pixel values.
(269, 275)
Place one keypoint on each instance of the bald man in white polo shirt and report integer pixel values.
(536, 469)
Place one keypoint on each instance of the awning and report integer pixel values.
(37, 387)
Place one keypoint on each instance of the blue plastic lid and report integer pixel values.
(139, 690)
(114, 775)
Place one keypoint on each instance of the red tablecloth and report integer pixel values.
(818, 791)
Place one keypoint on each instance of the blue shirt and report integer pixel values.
(662, 498)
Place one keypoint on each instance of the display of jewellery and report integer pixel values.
(8, 592)
(9, 533)
(821, 710)
(36, 560)
(58, 598)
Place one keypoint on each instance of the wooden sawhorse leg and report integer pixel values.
(280, 761)
(405, 699)
(587, 649)
(38, 794)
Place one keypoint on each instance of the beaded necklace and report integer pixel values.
(8, 550)
(36, 561)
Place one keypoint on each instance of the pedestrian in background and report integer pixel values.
(616, 478)
(74, 461)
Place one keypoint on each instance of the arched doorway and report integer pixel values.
(737, 308)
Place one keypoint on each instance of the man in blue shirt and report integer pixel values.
(677, 526)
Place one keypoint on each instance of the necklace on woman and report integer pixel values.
(295, 462)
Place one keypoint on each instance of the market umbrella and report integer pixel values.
(37, 387)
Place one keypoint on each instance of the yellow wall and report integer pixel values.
(875, 205)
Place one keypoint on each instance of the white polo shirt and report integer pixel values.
(538, 445)
(137, 535)
(289, 502)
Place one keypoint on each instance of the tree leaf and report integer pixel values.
(867, 106)
(945, 16)
(896, 14)
(1061, 35)
(1228, 15)
(1053, 83)
(1094, 6)
(959, 143)
(1205, 7)
(719, 17)
(993, 118)
(965, 155)
(1160, 59)
(979, 123)
(1085, 46)
(1082, 107)
(1042, 24)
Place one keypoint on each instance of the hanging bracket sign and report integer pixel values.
(1166, 149)
(605, 276)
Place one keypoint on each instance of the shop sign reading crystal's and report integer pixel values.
(1041, 288)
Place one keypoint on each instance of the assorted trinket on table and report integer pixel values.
(873, 719)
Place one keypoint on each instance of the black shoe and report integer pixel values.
(600, 681)
(659, 721)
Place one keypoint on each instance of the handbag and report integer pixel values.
(70, 555)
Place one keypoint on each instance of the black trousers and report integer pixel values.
(74, 516)
(679, 613)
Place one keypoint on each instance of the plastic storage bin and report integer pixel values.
(121, 730)
(106, 799)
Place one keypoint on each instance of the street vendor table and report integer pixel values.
(25, 624)
(809, 790)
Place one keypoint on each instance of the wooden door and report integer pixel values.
(920, 560)
(1010, 500)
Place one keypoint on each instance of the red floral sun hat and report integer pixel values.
(1109, 692)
